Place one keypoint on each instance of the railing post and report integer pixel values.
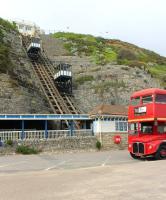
(71, 128)
(84, 125)
(46, 129)
(22, 129)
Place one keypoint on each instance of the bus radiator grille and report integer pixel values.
(138, 148)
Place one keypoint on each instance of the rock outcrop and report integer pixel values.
(20, 90)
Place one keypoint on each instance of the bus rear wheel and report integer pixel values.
(134, 156)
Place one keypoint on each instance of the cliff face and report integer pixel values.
(111, 82)
(20, 90)
(101, 73)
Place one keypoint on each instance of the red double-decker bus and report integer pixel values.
(147, 123)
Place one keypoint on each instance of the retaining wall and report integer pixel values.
(58, 144)
(108, 140)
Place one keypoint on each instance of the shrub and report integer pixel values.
(9, 142)
(23, 149)
(98, 145)
(125, 53)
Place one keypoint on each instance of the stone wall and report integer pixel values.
(70, 143)
(59, 144)
(107, 140)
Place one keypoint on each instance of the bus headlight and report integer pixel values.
(150, 147)
(130, 145)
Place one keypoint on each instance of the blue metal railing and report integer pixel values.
(44, 117)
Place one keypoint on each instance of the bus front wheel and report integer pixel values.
(161, 153)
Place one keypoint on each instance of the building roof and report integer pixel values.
(106, 109)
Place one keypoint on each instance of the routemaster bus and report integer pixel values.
(147, 124)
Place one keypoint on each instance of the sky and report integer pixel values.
(141, 22)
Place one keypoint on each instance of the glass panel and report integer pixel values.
(135, 101)
(161, 128)
(116, 126)
(133, 128)
(147, 127)
(147, 99)
(160, 98)
(121, 126)
(125, 126)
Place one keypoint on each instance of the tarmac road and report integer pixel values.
(78, 176)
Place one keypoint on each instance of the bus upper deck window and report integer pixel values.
(160, 98)
(135, 101)
(147, 99)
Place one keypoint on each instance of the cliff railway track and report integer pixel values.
(59, 103)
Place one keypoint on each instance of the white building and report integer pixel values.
(28, 28)
(109, 119)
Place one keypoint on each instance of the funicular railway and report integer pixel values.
(59, 101)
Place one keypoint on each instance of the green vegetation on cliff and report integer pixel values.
(5, 62)
(103, 51)
(88, 45)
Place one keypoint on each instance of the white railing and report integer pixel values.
(40, 134)
(10, 135)
(82, 132)
(58, 133)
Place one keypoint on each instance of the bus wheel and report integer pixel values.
(161, 153)
(134, 156)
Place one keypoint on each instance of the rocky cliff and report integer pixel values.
(20, 90)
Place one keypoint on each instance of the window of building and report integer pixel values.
(120, 126)
(135, 101)
(28, 28)
(147, 99)
(160, 98)
(21, 26)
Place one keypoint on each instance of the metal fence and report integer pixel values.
(40, 134)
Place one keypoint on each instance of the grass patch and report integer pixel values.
(88, 45)
(8, 26)
(103, 51)
(158, 70)
(82, 79)
(9, 142)
(5, 61)
(23, 149)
